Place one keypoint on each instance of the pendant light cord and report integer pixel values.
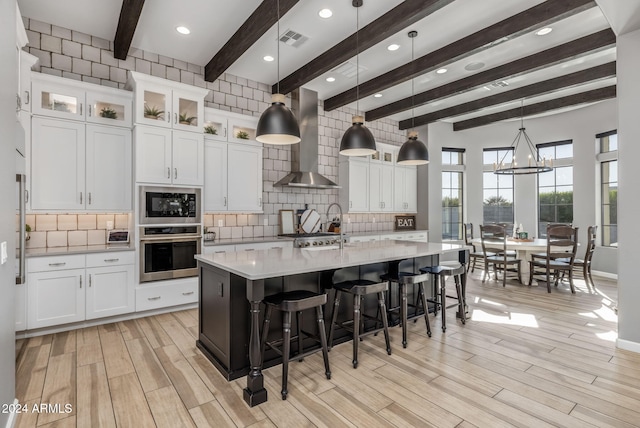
(278, 45)
(357, 60)
(413, 116)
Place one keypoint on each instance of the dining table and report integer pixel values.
(523, 247)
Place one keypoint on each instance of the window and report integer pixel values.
(608, 158)
(452, 206)
(497, 190)
(555, 188)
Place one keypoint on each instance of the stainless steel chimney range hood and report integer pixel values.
(304, 155)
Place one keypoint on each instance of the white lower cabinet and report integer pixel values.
(21, 307)
(166, 293)
(66, 289)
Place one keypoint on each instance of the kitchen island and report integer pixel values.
(232, 286)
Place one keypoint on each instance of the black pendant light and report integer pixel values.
(277, 124)
(357, 140)
(413, 151)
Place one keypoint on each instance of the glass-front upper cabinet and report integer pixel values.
(53, 97)
(161, 102)
(228, 126)
(109, 108)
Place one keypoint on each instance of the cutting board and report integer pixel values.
(310, 221)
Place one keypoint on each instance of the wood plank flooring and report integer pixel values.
(525, 358)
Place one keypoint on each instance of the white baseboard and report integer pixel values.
(628, 345)
(607, 275)
(82, 324)
(11, 422)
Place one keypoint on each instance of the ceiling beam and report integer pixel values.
(538, 16)
(127, 23)
(568, 101)
(579, 77)
(574, 49)
(400, 17)
(260, 21)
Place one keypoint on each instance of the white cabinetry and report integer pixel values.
(164, 156)
(406, 189)
(79, 167)
(381, 187)
(233, 178)
(354, 195)
(65, 289)
(252, 246)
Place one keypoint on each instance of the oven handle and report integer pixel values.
(182, 238)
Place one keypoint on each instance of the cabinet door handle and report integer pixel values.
(27, 97)
(220, 289)
(80, 281)
(18, 103)
(26, 196)
(57, 264)
(111, 260)
(225, 201)
(154, 298)
(90, 280)
(189, 293)
(219, 252)
(80, 198)
(89, 196)
(350, 204)
(250, 249)
(175, 118)
(225, 132)
(168, 172)
(89, 110)
(259, 202)
(175, 173)
(80, 109)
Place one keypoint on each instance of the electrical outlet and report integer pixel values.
(265, 222)
(220, 223)
(109, 224)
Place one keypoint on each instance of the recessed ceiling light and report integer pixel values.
(378, 95)
(473, 66)
(441, 70)
(325, 13)
(544, 31)
(393, 47)
(268, 58)
(183, 30)
(331, 79)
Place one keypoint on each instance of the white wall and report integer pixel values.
(9, 79)
(579, 125)
(628, 46)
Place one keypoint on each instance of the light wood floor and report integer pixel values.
(526, 358)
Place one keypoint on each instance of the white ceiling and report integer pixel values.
(213, 22)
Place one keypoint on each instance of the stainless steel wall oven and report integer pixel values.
(167, 252)
(170, 205)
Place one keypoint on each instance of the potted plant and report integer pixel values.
(210, 129)
(108, 113)
(27, 229)
(242, 135)
(153, 113)
(184, 119)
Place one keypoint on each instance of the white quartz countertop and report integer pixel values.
(78, 249)
(277, 262)
(232, 241)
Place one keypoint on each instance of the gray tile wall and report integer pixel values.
(79, 56)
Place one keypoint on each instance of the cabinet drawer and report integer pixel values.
(43, 264)
(111, 258)
(165, 295)
(213, 249)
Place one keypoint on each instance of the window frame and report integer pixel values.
(602, 158)
(557, 164)
(454, 169)
(486, 168)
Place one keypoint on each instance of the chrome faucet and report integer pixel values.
(341, 222)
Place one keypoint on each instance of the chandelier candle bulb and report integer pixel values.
(529, 160)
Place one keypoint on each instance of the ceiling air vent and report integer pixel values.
(348, 69)
(292, 38)
(500, 84)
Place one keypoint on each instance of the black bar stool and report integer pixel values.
(360, 288)
(440, 274)
(288, 302)
(404, 280)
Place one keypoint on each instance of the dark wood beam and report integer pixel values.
(260, 21)
(127, 23)
(400, 17)
(538, 16)
(579, 77)
(574, 49)
(571, 100)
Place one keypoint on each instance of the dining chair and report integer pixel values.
(474, 254)
(562, 243)
(583, 266)
(494, 239)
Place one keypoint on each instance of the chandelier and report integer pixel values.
(533, 165)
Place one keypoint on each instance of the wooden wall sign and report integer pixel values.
(405, 222)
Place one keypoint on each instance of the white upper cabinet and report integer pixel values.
(161, 102)
(79, 167)
(24, 79)
(354, 179)
(215, 175)
(164, 156)
(381, 187)
(406, 189)
(69, 99)
(228, 126)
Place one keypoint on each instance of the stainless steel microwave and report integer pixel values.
(170, 205)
